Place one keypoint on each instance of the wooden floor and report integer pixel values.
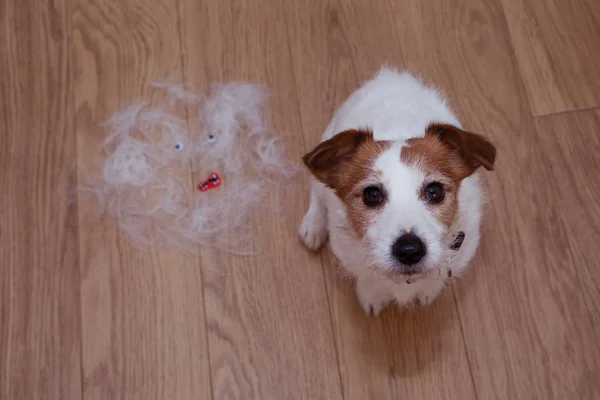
(85, 316)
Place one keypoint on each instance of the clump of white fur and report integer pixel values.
(151, 155)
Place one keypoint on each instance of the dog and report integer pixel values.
(396, 185)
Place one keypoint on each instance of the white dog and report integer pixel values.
(397, 191)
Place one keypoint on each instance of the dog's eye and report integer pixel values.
(434, 192)
(372, 196)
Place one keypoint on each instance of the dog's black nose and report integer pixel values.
(409, 249)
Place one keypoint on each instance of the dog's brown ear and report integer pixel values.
(328, 160)
(474, 149)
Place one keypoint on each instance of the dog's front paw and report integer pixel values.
(313, 230)
(423, 300)
(372, 299)
(427, 296)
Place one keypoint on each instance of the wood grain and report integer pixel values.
(84, 314)
(556, 44)
(269, 326)
(39, 291)
(143, 319)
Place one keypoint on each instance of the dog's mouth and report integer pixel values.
(409, 274)
(410, 271)
(422, 274)
(410, 278)
(414, 270)
(401, 273)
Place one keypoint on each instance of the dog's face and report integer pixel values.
(401, 197)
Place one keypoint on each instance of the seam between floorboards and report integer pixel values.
(462, 332)
(67, 9)
(566, 112)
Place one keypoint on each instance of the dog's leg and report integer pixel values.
(372, 295)
(313, 228)
(430, 291)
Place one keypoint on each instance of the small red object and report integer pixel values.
(212, 182)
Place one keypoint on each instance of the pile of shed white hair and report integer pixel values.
(154, 158)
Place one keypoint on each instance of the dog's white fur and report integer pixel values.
(395, 106)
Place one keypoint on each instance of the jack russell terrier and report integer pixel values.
(396, 188)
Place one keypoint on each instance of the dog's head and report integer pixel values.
(401, 197)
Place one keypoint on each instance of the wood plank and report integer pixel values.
(39, 275)
(335, 46)
(269, 325)
(556, 44)
(143, 318)
(570, 145)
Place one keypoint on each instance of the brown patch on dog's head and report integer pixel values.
(447, 154)
(475, 150)
(344, 159)
(344, 163)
